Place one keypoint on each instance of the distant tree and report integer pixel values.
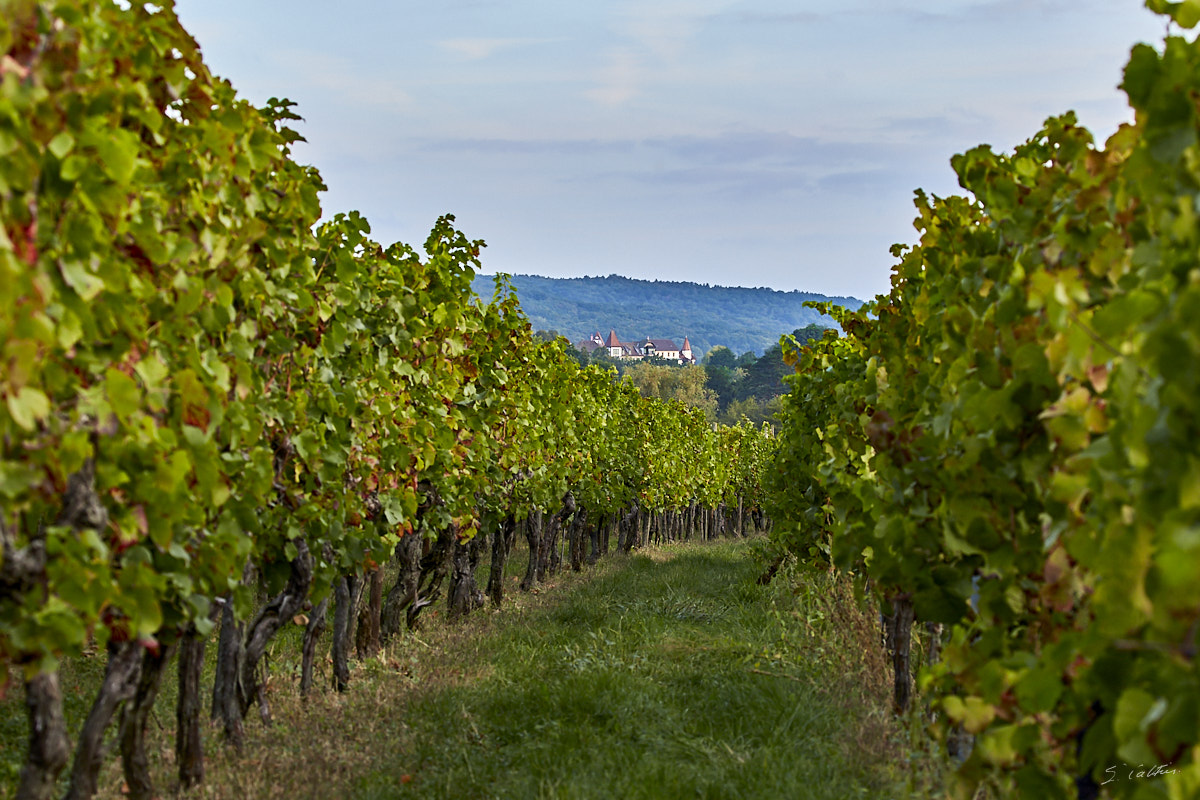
(723, 382)
(650, 379)
(691, 390)
(747, 359)
(685, 384)
(764, 378)
(752, 409)
(720, 356)
(808, 333)
(580, 356)
(602, 359)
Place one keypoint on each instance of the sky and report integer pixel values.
(751, 143)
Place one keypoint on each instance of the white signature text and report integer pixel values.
(1138, 772)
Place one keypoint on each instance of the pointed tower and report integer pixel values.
(614, 344)
(686, 351)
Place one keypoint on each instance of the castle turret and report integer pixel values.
(615, 348)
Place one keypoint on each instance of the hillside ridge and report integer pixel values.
(738, 317)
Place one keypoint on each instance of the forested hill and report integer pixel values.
(739, 318)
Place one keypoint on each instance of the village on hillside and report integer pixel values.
(636, 351)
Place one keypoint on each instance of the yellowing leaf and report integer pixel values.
(77, 276)
(977, 714)
(28, 406)
(61, 144)
(972, 712)
(997, 747)
(1189, 486)
(152, 370)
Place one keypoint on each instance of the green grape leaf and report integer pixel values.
(17, 478)
(123, 393)
(1187, 13)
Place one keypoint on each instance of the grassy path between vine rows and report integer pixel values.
(668, 674)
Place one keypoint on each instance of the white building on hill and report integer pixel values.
(636, 351)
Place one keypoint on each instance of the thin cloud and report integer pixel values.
(477, 48)
(690, 157)
(770, 18)
(862, 182)
(655, 38)
(530, 147)
(620, 79)
(338, 76)
(662, 31)
(948, 126)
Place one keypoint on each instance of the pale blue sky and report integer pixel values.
(753, 143)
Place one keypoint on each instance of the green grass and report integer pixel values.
(668, 674)
(656, 678)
